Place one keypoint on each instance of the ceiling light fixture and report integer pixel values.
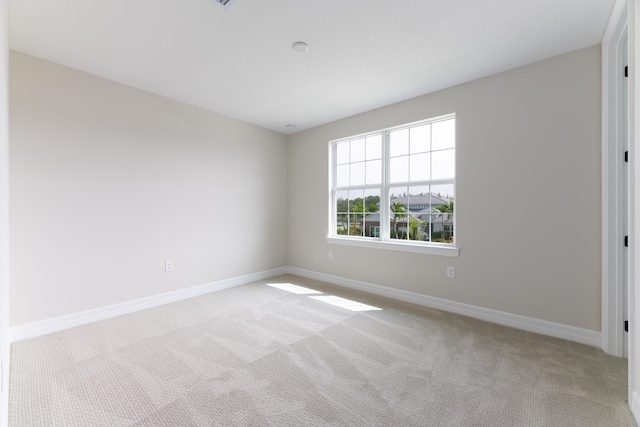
(291, 127)
(300, 47)
(226, 3)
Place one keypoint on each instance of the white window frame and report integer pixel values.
(384, 242)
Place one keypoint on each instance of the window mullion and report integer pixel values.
(356, 187)
(332, 190)
(384, 193)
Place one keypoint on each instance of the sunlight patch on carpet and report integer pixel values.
(345, 303)
(294, 289)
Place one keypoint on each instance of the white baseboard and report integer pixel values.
(635, 407)
(544, 327)
(557, 330)
(30, 330)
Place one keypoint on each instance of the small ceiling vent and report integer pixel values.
(226, 3)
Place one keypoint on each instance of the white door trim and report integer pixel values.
(612, 180)
(4, 214)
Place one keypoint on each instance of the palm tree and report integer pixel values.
(399, 211)
(371, 207)
(356, 209)
(447, 208)
(416, 230)
(342, 216)
(446, 211)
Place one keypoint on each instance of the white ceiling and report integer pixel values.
(363, 54)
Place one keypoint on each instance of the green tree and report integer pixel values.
(416, 229)
(399, 211)
(342, 205)
(445, 211)
(356, 211)
(447, 208)
(342, 216)
(372, 203)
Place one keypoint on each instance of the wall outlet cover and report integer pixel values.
(451, 272)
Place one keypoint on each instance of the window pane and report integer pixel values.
(442, 227)
(357, 150)
(342, 207)
(374, 147)
(372, 215)
(356, 224)
(443, 164)
(443, 135)
(398, 212)
(442, 213)
(342, 176)
(398, 225)
(432, 227)
(372, 200)
(341, 223)
(438, 202)
(397, 192)
(357, 174)
(417, 228)
(399, 169)
(419, 167)
(372, 228)
(342, 201)
(374, 172)
(355, 217)
(342, 153)
(355, 200)
(420, 139)
(441, 194)
(419, 199)
(399, 143)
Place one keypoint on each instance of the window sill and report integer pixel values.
(432, 249)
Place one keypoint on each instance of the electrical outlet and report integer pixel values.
(330, 254)
(451, 272)
(168, 266)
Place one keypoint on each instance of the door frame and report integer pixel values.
(613, 131)
(4, 214)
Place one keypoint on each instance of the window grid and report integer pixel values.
(352, 210)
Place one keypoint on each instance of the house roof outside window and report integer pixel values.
(419, 203)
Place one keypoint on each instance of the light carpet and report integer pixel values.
(255, 355)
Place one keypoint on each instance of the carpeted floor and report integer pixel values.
(256, 355)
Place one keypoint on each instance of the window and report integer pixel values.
(395, 187)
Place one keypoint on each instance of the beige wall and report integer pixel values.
(528, 195)
(108, 182)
